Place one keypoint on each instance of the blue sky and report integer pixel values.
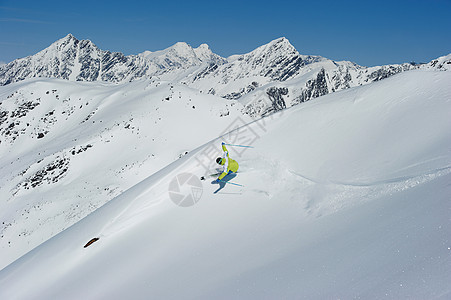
(366, 32)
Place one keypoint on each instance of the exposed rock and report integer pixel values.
(258, 71)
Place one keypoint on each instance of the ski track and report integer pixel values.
(323, 197)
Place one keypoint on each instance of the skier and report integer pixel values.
(230, 166)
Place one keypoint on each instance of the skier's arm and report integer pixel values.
(225, 149)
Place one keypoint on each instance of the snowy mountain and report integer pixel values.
(99, 144)
(442, 63)
(270, 78)
(181, 56)
(346, 197)
(80, 60)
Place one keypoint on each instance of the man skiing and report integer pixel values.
(230, 166)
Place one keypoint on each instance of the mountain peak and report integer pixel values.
(204, 46)
(204, 53)
(202, 50)
(67, 39)
(181, 46)
(70, 36)
(181, 55)
(442, 63)
(277, 47)
(280, 42)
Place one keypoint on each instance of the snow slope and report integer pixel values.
(344, 197)
(67, 148)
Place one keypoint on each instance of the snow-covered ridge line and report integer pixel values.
(81, 60)
(267, 79)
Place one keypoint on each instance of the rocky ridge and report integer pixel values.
(250, 78)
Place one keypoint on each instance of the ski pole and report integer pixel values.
(239, 146)
(231, 183)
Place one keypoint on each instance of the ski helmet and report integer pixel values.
(218, 160)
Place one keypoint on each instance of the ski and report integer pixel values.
(231, 183)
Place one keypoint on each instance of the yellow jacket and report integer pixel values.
(228, 163)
